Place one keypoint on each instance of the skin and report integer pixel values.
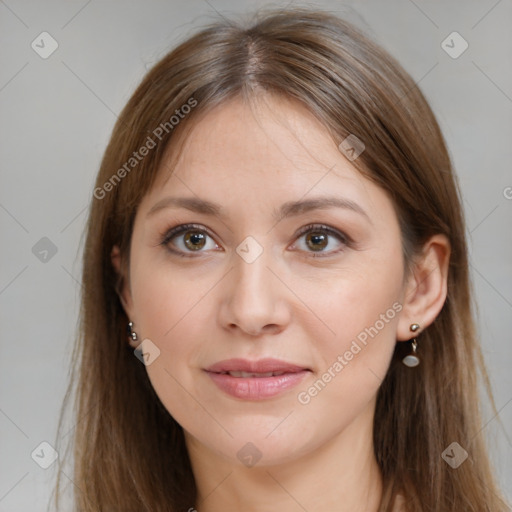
(286, 304)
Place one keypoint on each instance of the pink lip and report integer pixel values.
(256, 388)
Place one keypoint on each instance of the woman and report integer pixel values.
(276, 304)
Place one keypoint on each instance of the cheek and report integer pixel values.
(362, 309)
(358, 300)
(173, 311)
(363, 313)
(165, 296)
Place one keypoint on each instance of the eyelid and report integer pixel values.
(323, 227)
(171, 233)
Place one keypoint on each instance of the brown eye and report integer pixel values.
(316, 241)
(194, 240)
(186, 239)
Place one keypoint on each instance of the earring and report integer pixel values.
(412, 359)
(131, 333)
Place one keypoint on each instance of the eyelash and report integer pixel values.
(167, 236)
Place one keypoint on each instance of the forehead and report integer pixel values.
(271, 144)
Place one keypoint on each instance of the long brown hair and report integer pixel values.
(129, 453)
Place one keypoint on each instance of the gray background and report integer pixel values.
(57, 115)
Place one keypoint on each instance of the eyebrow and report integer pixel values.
(288, 209)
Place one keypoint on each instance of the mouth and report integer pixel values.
(252, 374)
(260, 367)
(256, 380)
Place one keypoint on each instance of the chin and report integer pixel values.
(257, 443)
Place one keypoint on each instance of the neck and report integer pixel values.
(341, 474)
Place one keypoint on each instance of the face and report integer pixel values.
(298, 260)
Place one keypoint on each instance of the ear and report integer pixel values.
(123, 286)
(426, 287)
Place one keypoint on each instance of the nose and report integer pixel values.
(254, 299)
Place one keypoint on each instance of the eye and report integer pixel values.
(318, 237)
(189, 238)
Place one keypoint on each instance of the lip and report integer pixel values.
(259, 366)
(256, 388)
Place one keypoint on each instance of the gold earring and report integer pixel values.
(411, 360)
